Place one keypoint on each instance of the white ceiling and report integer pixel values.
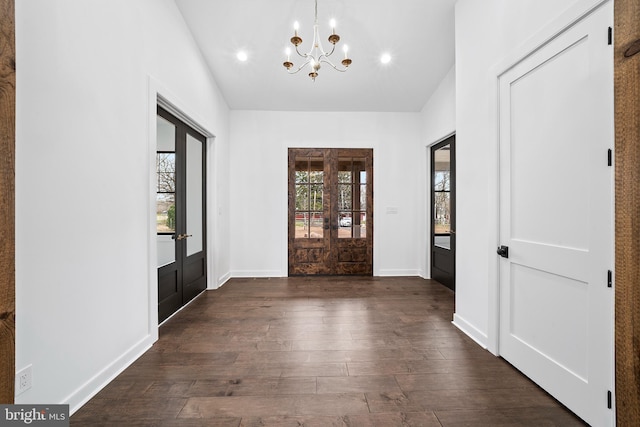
(419, 35)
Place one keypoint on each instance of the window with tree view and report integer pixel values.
(442, 197)
(309, 176)
(352, 198)
(166, 177)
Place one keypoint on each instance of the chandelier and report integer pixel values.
(316, 55)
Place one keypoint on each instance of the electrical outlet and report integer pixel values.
(23, 380)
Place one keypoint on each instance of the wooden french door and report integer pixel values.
(180, 204)
(330, 211)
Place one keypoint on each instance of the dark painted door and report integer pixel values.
(180, 213)
(330, 211)
(443, 210)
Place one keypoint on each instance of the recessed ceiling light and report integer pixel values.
(385, 58)
(242, 56)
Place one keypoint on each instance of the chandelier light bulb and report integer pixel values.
(385, 58)
(316, 56)
(345, 48)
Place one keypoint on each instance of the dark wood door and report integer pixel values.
(181, 213)
(443, 209)
(330, 211)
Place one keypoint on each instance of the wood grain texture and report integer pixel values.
(627, 193)
(321, 351)
(7, 200)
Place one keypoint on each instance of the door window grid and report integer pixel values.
(309, 187)
(166, 192)
(352, 198)
(442, 197)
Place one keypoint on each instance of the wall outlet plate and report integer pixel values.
(23, 380)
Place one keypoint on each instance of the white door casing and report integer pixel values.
(556, 216)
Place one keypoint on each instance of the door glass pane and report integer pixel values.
(316, 225)
(166, 223)
(344, 197)
(165, 212)
(363, 197)
(302, 197)
(166, 135)
(315, 197)
(360, 229)
(344, 170)
(344, 225)
(441, 197)
(194, 195)
(309, 198)
(165, 191)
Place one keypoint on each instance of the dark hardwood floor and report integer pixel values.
(328, 351)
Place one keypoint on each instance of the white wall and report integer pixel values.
(259, 145)
(85, 109)
(487, 33)
(438, 118)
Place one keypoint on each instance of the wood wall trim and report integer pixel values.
(627, 212)
(7, 200)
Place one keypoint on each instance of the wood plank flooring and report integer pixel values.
(329, 351)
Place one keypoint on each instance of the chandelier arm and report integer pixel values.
(304, 55)
(335, 67)
(330, 53)
(300, 68)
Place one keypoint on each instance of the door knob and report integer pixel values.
(503, 251)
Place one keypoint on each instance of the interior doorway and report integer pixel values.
(180, 213)
(443, 211)
(330, 215)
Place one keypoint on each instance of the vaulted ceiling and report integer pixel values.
(417, 34)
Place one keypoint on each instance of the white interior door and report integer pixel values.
(556, 215)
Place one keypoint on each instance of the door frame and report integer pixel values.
(184, 264)
(160, 95)
(284, 188)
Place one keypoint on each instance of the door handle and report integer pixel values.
(503, 251)
(183, 236)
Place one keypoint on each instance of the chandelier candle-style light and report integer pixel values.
(316, 55)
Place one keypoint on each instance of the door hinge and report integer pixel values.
(610, 36)
(609, 279)
(609, 399)
(610, 157)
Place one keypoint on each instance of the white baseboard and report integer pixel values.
(257, 273)
(398, 273)
(224, 279)
(473, 332)
(89, 389)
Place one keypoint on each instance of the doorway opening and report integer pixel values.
(180, 213)
(443, 211)
(330, 215)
